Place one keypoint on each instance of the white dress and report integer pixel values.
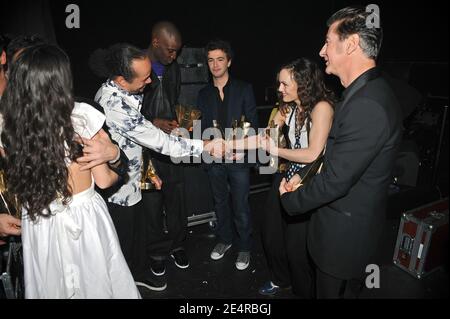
(75, 253)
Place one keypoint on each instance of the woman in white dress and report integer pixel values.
(70, 245)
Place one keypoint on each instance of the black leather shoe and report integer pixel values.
(180, 258)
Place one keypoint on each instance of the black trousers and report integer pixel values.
(273, 230)
(129, 222)
(284, 243)
(165, 210)
(330, 287)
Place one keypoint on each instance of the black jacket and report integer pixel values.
(239, 100)
(350, 193)
(161, 97)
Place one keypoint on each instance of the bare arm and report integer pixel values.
(252, 142)
(248, 143)
(322, 118)
(104, 177)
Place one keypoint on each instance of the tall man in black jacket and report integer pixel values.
(351, 191)
(160, 98)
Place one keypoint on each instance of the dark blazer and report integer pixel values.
(351, 191)
(241, 101)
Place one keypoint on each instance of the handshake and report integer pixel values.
(219, 148)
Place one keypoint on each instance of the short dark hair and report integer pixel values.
(219, 44)
(116, 61)
(21, 42)
(168, 27)
(353, 20)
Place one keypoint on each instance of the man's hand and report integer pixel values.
(216, 147)
(9, 225)
(166, 125)
(98, 150)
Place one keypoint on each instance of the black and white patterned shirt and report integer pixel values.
(132, 131)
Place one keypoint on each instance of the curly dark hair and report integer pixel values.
(311, 88)
(19, 43)
(116, 61)
(38, 135)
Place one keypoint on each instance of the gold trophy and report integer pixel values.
(220, 130)
(147, 174)
(186, 116)
(241, 128)
(275, 132)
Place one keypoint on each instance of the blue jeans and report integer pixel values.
(226, 180)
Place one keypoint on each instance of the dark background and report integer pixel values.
(263, 34)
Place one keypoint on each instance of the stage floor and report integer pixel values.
(208, 279)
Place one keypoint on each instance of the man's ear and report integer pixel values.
(155, 42)
(122, 82)
(352, 43)
(3, 58)
(229, 63)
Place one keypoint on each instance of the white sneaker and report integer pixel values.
(243, 260)
(219, 251)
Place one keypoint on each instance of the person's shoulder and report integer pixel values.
(206, 89)
(240, 83)
(323, 106)
(377, 92)
(322, 109)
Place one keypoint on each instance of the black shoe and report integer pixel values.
(152, 283)
(180, 258)
(158, 267)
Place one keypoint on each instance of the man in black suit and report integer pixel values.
(225, 100)
(350, 193)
